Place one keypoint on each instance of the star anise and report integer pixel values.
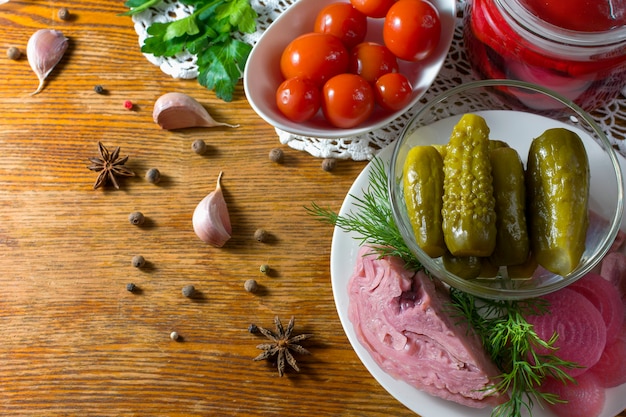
(282, 344)
(109, 165)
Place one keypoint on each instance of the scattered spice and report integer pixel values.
(277, 155)
(14, 53)
(265, 268)
(211, 221)
(153, 175)
(64, 13)
(251, 285)
(281, 344)
(199, 146)
(253, 328)
(178, 111)
(109, 165)
(44, 50)
(137, 218)
(138, 261)
(128, 105)
(189, 290)
(174, 336)
(99, 89)
(130, 287)
(261, 235)
(329, 164)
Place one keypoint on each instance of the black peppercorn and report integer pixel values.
(153, 175)
(253, 328)
(261, 235)
(277, 155)
(14, 53)
(137, 218)
(64, 13)
(98, 89)
(329, 164)
(198, 146)
(138, 261)
(189, 290)
(130, 287)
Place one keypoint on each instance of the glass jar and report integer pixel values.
(576, 48)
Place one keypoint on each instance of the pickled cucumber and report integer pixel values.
(512, 243)
(469, 219)
(558, 197)
(423, 193)
(466, 267)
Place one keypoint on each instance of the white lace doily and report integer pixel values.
(455, 71)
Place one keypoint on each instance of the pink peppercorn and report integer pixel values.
(128, 104)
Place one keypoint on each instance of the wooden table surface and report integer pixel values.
(74, 341)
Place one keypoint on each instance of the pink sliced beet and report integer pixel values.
(613, 269)
(584, 398)
(604, 296)
(579, 325)
(611, 368)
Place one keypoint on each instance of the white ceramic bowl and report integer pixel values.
(516, 112)
(262, 74)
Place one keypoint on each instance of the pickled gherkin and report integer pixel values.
(423, 192)
(512, 243)
(558, 197)
(469, 219)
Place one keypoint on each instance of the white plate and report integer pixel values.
(262, 74)
(343, 255)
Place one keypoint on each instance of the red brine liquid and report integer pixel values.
(576, 48)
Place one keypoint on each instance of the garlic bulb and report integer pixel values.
(211, 221)
(44, 50)
(178, 111)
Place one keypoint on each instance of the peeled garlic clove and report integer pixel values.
(44, 50)
(211, 221)
(178, 111)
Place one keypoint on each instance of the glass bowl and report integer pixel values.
(516, 112)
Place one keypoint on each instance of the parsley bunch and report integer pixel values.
(210, 33)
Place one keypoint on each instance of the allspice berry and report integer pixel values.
(63, 13)
(277, 155)
(14, 53)
(137, 218)
(153, 175)
(261, 235)
(251, 285)
(199, 146)
(189, 290)
(138, 261)
(329, 164)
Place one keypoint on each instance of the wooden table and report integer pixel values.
(75, 342)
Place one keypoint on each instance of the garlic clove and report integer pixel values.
(211, 221)
(178, 111)
(44, 50)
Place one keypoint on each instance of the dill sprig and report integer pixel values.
(508, 338)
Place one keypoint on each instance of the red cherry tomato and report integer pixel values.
(347, 100)
(343, 21)
(298, 99)
(370, 60)
(412, 29)
(316, 56)
(373, 8)
(393, 91)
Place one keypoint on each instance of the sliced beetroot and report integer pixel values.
(585, 397)
(580, 328)
(604, 296)
(613, 269)
(611, 368)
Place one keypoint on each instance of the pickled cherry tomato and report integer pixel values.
(298, 99)
(393, 91)
(371, 60)
(412, 29)
(343, 21)
(316, 56)
(373, 8)
(347, 100)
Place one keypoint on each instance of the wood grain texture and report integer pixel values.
(75, 342)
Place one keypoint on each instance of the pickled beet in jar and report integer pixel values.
(576, 48)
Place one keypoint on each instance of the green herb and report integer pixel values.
(210, 33)
(506, 335)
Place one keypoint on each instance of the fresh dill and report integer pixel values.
(508, 338)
